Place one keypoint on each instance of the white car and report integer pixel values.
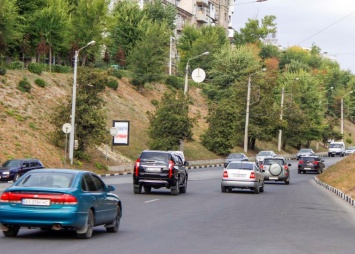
(242, 175)
(350, 150)
(305, 152)
(262, 155)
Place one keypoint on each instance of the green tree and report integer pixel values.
(88, 23)
(124, 30)
(91, 116)
(148, 58)
(157, 11)
(51, 24)
(170, 123)
(255, 31)
(195, 41)
(8, 24)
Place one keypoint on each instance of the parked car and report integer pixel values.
(276, 169)
(242, 175)
(263, 154)
(11, 170)
(235, 157)
(310, 164)
(56, 199)
(350, 150)
(160, 169)
(305, 152)
(336, 148)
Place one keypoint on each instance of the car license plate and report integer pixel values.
(153, 169)
(37, 202)
(307, 168)
(238, 175)
(273, 178)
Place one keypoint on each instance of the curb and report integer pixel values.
(339, 193)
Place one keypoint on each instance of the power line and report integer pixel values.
(326, 27)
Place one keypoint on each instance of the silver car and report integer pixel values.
(305, 152)
(235, 157)
(263, 154)
(242, 175)
(350, 150)
(276, 169)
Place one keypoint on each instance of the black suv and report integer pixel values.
(13, 169)
(157, 169)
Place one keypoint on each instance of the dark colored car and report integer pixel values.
(276, 169)
(235, 157)
(160, 169)
(13, 169)
(310, 164)
(56, 199)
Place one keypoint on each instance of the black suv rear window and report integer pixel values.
(155, 156)
(308, 158)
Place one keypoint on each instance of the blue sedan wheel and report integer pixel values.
(12, 232)
(89, 226)
(113, 228)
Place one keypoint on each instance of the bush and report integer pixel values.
(24, 85)
(40, 82)
(2, 71)
(61, 69)
(113, 84)
(35, 68)
(176, 82)
(16, 65)
(137, 82)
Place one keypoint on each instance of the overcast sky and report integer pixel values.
(329, 24)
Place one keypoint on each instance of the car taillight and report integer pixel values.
(315, 163)
(285, 167)
(225, 174)
(252, 175)
(138, 161)
(261, 166)
(300, 162)
(63, 199)
(171, 165)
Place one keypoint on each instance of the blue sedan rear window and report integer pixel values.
(47, 180)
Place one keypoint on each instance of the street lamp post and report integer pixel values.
(247, 112)
(71, 137)
(281, 115)
(342, 114)
(187, 71)
(170, 54)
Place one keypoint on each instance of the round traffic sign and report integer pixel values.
(198, 75)
(66, 128)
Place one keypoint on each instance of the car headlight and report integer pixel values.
(5, 172)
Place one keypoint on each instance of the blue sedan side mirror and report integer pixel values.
(110, 188)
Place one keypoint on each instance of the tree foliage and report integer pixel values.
(170, 123)
(91, 117)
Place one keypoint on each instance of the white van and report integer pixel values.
(336, 148)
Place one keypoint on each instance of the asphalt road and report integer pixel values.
(298, 218)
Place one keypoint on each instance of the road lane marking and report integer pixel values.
(153, 200)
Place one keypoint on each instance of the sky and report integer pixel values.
(329, 24)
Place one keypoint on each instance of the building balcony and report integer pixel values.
(202, 2)
(202, 16)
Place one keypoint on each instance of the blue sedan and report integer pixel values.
(55, 199)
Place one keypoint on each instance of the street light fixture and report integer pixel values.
(71, 137)
(342, 114)
(247, 111)
(187, 71)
